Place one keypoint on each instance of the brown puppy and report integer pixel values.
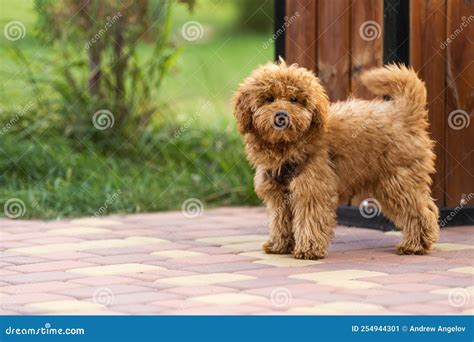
(310, 154)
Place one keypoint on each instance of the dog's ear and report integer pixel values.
(318, 104)
(244, 107)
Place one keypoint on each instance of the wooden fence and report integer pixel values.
(339, 39)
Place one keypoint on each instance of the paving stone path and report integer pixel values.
(166, 263)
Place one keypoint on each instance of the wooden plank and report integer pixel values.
(334, 47)
(366, 41)
(366, 50)
(300, 37)
(460, 102)
(428, 57)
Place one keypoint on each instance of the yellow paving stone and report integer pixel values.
(469, 312)
(86, 245)
(227, 299)
(115, 269)
(394, 233)
(351, 306)
(337, 276)
(251, 246)
(279, 260)
(95, 222)
(176, 254)
(468, 270)
(342, 278)
(74, 231)
(469, 291)
(336, 308)
(66, 305)
(351, 284)
(228, 240)
(312, 310)
(204, 279)
(448, 247)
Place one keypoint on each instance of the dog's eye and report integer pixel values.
(270, 99)
(293, 99)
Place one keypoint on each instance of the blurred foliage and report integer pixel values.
(96, 65)
(52, 157)
(255, 15)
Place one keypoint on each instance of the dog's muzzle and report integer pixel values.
(281, 120)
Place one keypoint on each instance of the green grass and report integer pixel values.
(58, 177)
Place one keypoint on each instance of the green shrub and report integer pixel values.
(98, 78)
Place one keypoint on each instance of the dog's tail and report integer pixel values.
(400, 84)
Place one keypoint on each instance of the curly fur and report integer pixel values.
(331, 152)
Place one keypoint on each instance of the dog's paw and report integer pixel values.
(311, 254)
(408, 249)
(271, 247)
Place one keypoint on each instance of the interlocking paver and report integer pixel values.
(65, 305)
(49, 266)
(165, 263)
(204, 279)
(42, 287)
(227, 299)
(115, 269)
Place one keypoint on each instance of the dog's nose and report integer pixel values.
(281, 120)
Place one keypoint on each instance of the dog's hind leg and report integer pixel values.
(405, 199)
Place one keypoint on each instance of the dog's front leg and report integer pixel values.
(277, 200)
(314, 211)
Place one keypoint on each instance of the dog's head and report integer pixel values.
(280, 103)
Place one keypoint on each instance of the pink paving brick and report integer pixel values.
(32, 298)
(190, 291)
(26, 278)
(110, 290)
(103, 280)
(143, 297)
(43, 287)
(121, 259)
(41, 284)
(49, 266)
(68, 256)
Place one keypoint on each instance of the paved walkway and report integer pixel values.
(166, 263)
